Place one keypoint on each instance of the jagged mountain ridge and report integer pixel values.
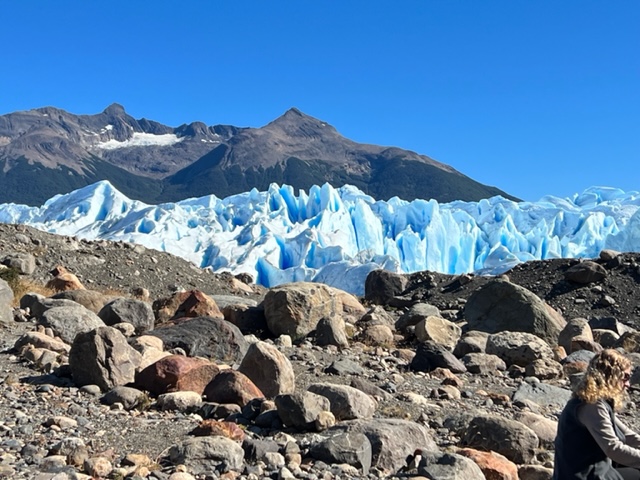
(156, 163)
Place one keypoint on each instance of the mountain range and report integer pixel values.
(48, 151)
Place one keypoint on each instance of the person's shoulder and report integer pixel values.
(600, 408)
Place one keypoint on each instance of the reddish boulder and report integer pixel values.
(493, 465)
(231, 386)
(210, 427)
(198, 304)
(177, 373)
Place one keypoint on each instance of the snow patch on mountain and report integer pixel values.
(140, 139)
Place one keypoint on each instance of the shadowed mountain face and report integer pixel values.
(47, 151)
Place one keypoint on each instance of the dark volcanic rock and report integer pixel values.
(585, 272)
(204, 337)
(381, 286)
(128, 310)
(502, 305)
(430, 355)
(508, 437)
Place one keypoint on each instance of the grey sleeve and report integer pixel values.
(595, 417)
(631, 438)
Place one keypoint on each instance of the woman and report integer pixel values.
(590, 437)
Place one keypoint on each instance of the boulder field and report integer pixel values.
(201, 376)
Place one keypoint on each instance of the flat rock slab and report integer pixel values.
(543, 394)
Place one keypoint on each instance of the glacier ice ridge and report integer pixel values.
(338, 235)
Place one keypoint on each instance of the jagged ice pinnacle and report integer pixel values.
(337, 236)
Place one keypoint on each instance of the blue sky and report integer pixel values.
(534, 97)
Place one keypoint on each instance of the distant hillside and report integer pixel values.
(47, 151)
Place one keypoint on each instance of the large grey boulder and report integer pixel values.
(128, 310)
(25, 263)
(438, 330)
(376, 315)
(518, 348)
(392, 439)
(585, 272)
(543, 394)
(430, 355)
(508, 437)
(128, 397)
(483, 363)
(472, 341)
(575, 328)
(68, 321)
(255, 449)
(609, 323)
(38, 304)
(545, 428)
(346, 403)
(204, 454)
(501, 305)
(269, 369)
(415, 314)
(6, 301)
(351, 448)
(208, 337)
(344, 366)
(448, 466)
(102, 357)
(382, 285)
(294, 309)
(300, 410)
(331, 331)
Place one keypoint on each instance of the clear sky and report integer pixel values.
(534, 97)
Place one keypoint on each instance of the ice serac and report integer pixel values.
(337, 236)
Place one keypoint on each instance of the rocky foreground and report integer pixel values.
(134, 364)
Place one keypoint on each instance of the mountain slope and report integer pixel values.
(47, 151)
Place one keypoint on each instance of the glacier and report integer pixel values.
(338, 235)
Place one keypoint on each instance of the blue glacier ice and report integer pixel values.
(338, 235)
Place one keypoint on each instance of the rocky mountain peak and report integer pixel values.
(194, 129)
(50, 111)
(296, 123)
(294, 112)
(115, 109)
